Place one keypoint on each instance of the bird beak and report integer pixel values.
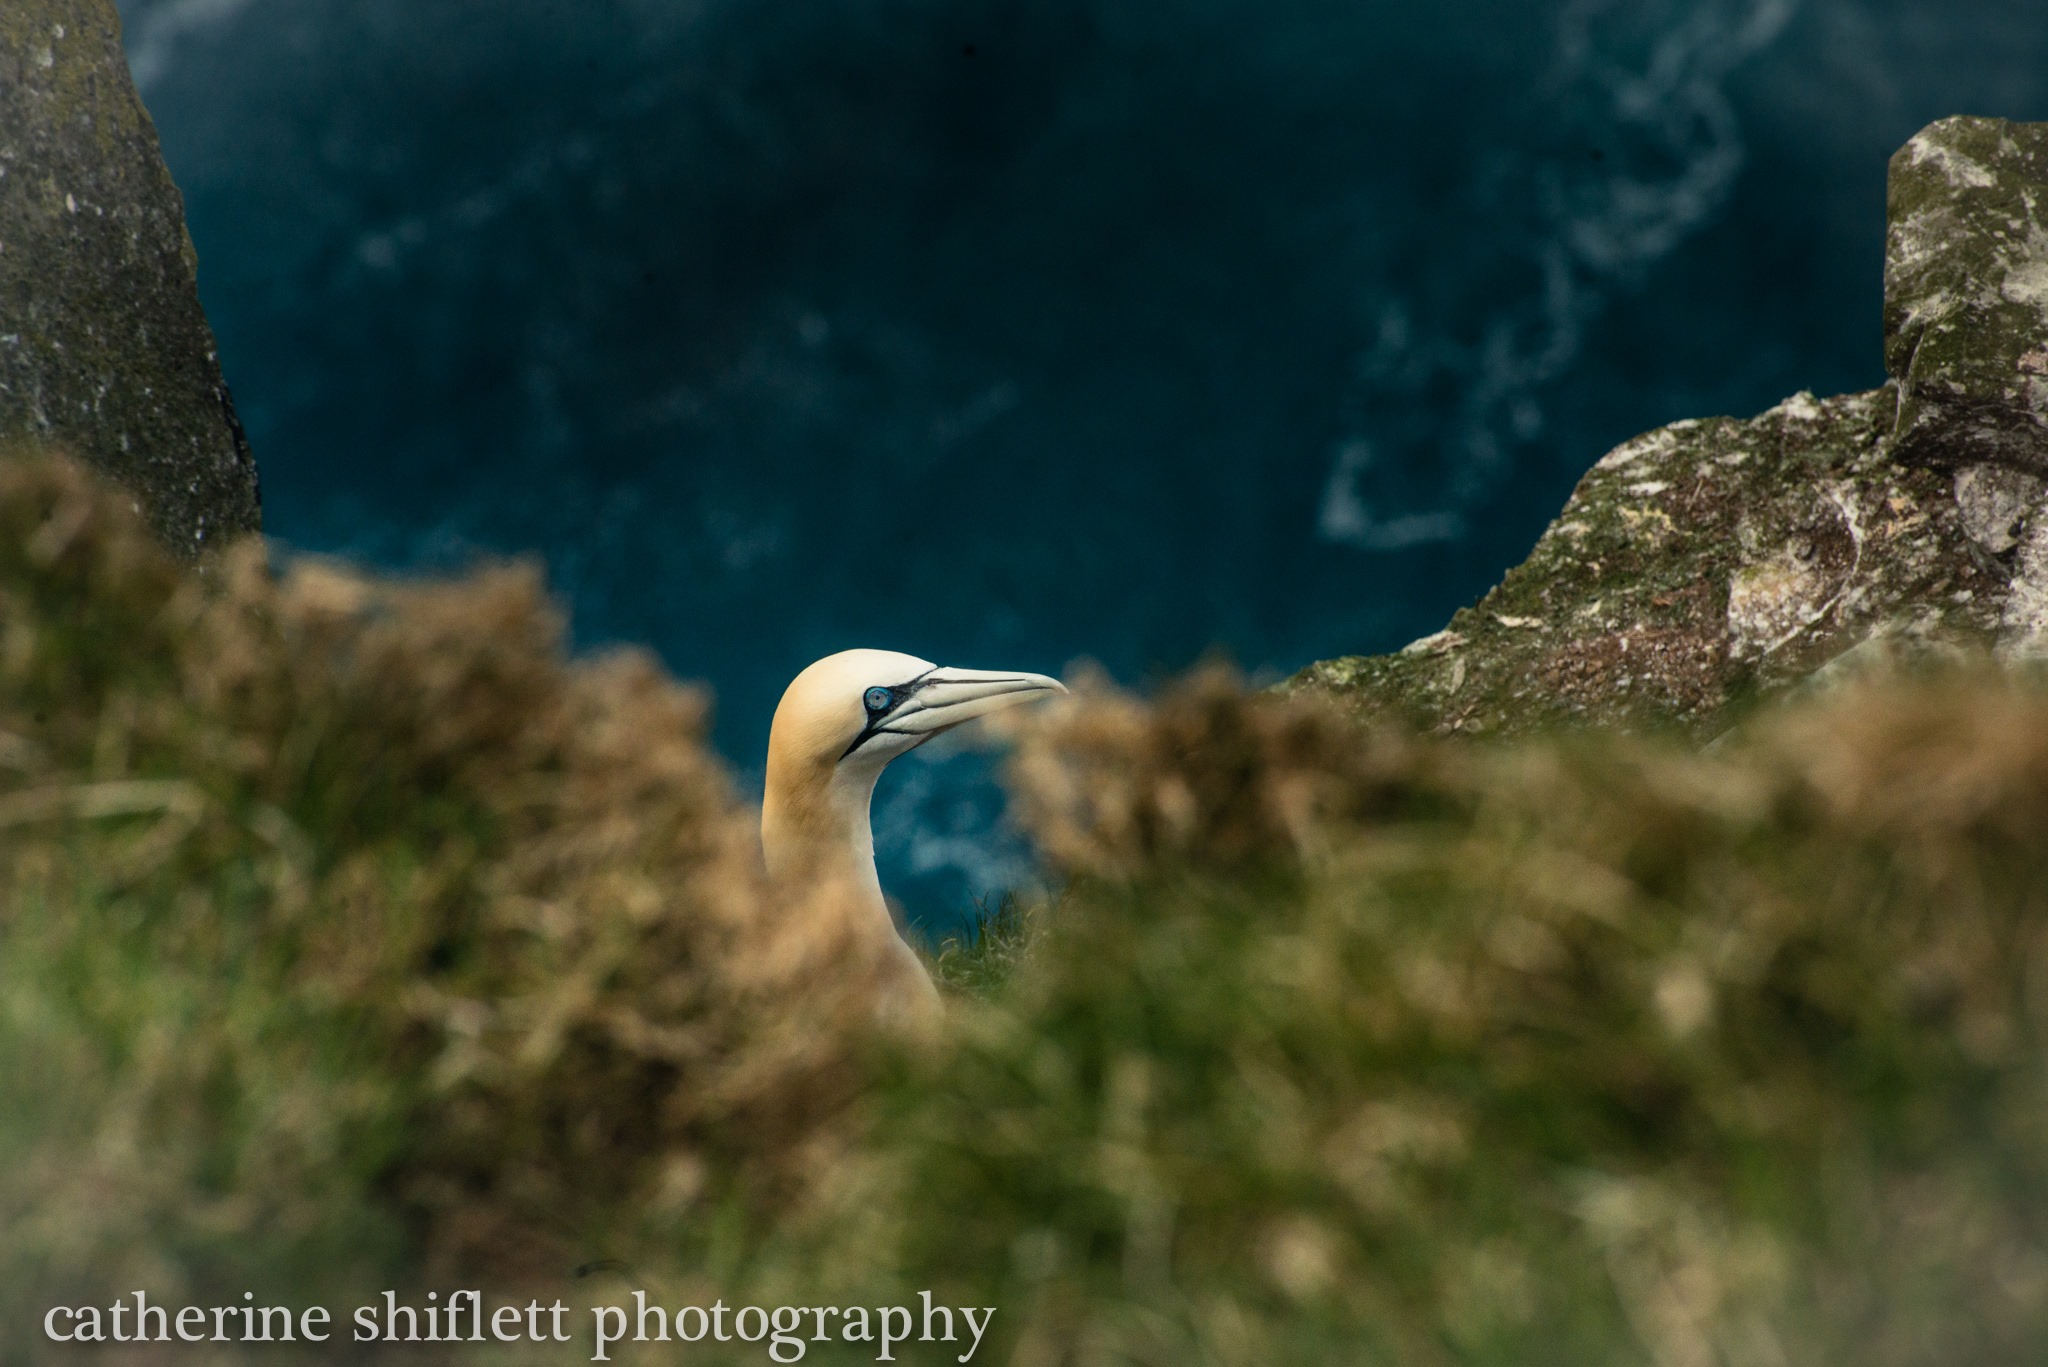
(947, 697)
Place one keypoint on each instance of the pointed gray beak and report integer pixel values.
(947, 697)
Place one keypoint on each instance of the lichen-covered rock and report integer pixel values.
(1696, 566)
(104, 350)
(1712, 561)
(1995, 502)
(1966, 294)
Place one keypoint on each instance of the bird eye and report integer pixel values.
(877, 699)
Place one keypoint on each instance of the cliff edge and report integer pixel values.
(104, 350)
(1718, 559)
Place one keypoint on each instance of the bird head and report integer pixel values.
(855, 711)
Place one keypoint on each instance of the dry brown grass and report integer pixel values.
(1345, 1045)
(353, 931)
(350, 937)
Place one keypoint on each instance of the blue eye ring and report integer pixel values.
(877, 699)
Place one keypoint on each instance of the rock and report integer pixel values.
(1715, 560)
(1696, 566)
(1966, 294)
(104, 350)
(2025, 619)
(1995, 502)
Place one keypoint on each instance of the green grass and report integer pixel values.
(987, 951)
(1354, 1047)
(351, 938)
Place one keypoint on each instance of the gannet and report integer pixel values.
(837, 727)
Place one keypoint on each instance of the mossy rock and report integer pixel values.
(1697, 566)
(1966, 294)
(1714, 561)
(104, 349)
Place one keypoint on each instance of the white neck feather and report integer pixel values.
(817, 827)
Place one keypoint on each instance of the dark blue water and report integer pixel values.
(1007, 332)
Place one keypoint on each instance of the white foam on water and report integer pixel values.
(1596, 227)
(1344, 516)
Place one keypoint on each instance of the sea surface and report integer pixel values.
(1011, 333)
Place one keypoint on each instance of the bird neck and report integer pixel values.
(815, 835)
(816, 826)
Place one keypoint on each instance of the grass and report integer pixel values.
(1348, 1046)
(353, 939)
(984, 955)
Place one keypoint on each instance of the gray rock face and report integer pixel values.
(104, 351)
(1995, 502)
(1966, 294)
(1712, 561)
(1698, 565)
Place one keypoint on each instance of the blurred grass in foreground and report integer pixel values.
(991, 948)
(352, 939)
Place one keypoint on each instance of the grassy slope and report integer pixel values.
(352, 939)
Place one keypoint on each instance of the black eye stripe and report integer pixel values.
(898, 695)
(901, 693)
